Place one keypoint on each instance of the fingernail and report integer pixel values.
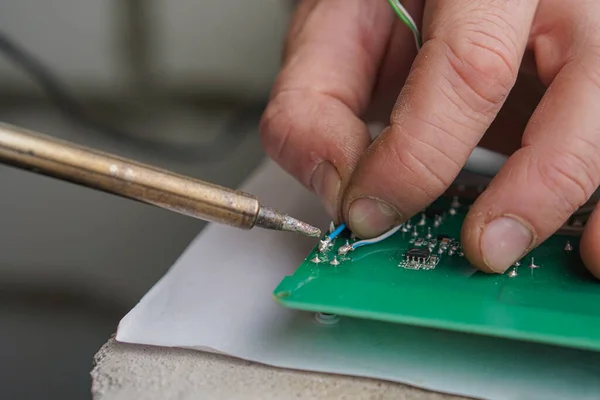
(370, 217)
(326, 183)
(504, 241)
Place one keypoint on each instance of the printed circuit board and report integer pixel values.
(420, 276)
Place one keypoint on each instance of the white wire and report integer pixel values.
(377, 239)
(481, 161)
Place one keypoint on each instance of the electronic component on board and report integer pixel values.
(551, 301)
(397, 277)
(419, 258)
(568, 246)
(420, 254)
(345, 249)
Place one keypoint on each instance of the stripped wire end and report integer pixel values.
(326, 243)
(345, 249)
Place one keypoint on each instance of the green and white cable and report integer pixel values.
(407, 19)
(481, 161)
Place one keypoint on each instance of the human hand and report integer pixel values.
(348, 61)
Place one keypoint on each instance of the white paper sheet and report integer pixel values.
(218, 297)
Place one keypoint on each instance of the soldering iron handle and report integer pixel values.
(66, 161)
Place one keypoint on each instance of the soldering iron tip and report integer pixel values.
(291, 224)
(271, 219)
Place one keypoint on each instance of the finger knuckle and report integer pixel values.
(275, 127)
(290, 132)
(588, 68)
(568, 178)
(482, 61)
(415, 161)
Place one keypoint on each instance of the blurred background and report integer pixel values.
(177, 83)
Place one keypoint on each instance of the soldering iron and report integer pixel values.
(126, 178)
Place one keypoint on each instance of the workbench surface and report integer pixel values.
(124, 371)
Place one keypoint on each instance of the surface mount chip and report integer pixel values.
(417, 253)
(425, 280)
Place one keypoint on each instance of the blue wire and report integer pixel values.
(337, 231)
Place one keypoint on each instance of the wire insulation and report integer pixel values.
(408, 21)
(377, 239)
(337, 231)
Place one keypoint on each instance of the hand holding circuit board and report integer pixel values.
(473, 82)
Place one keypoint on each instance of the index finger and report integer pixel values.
(312, 125)
(459, 81)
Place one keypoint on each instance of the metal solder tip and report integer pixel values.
(270, 219)
(291, 224)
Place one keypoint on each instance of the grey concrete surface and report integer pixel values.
(123, 371)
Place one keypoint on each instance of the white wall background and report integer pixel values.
(199, 43)
(204, 42)
(54, 234)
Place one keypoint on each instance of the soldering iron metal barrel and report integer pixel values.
(52, 157)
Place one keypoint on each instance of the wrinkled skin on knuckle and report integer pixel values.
(417, 172)
(566, 177)
(588, 65)
(302, 128)
(275, 126)
(483, 69)
(483, 56)
(281, 124)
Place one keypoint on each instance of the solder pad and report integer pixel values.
(555, 300)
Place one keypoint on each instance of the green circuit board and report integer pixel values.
(419, 276)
